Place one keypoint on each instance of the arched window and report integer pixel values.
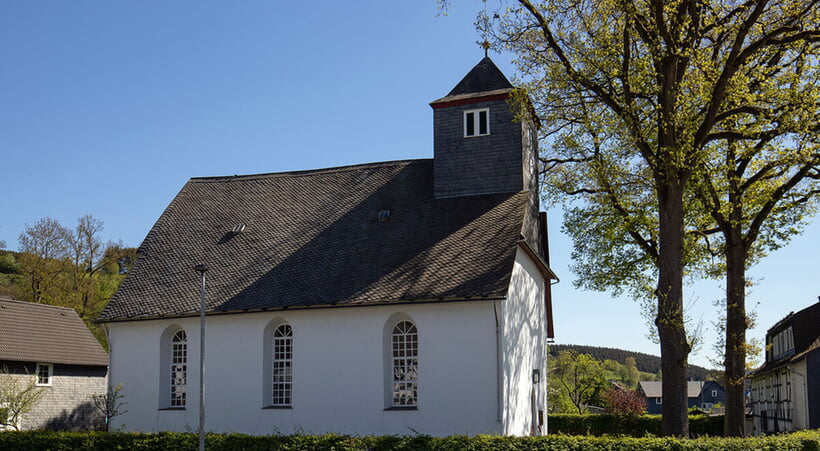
(179, 369)
(282, 366)
(405, 357)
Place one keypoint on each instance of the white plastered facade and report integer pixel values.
(475, 367)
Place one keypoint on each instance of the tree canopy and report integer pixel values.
(644, 104)
(69, 268)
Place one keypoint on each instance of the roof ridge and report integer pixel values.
(305, 172)
(17, 301)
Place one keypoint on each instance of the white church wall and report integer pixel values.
(524, 335)
(338, 372)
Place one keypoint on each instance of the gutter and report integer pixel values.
(193, 314)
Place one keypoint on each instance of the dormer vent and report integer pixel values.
(237, 229)
(384, 215)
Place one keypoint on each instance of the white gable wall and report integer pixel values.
(523, 342)
(338, 371)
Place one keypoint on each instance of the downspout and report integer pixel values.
(498, 369)
(107, 340)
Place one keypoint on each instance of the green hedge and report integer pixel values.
(91, 441)
(640, 426)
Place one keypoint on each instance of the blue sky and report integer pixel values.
(107, 108)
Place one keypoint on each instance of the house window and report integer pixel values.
(714, 393)
(282, 370)
(179, 369)
(45, 371)
(658, 400)
(405, 356)
(477, 122)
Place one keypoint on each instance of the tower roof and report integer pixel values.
(485, 79)
(485, 76)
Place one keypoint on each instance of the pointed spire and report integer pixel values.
(485, 76)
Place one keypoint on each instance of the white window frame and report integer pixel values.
(473, 117)
(658, 400)
(49, 379)
(404, 349)
(282, 366)
(178, 370)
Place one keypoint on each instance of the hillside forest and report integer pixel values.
(66, 267)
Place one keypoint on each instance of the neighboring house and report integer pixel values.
(52, 346)
(700, 394)
(786, 389)
(399, 297)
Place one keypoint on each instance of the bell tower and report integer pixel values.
(479, 146)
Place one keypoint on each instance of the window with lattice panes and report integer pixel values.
(179, 369)
(282, 366)
(44, 374)
(405, 356)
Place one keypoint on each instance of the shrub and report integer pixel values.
(91, 441)
(632, 426)
(618, 401)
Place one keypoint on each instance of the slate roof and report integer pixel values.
(805, 334)
(484, 76)
(47, 334)
(314, 238)
(653, 389)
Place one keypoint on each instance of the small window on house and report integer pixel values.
(282, 363)
(179, 369)
(405, 351)
(477, 122)
(658, 400)
(45, 372)
(714, 393)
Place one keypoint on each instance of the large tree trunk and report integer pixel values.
(735, 352)
(671, 330)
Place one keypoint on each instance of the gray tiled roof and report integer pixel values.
(485, 76)
(805, 336)
(653, 389)
(44, 333)
(314, 238)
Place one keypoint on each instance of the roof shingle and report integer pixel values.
(32, 332)
(315, 238)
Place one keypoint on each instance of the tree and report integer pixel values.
(636, 99)
(86, 251)
(72, 268)
(110, 404)
(43, 257)
(758, 194)
(19, 395)
(578, 378)
(632, 374)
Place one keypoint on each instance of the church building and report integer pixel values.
(396, 297)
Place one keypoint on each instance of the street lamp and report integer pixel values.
(201, 269)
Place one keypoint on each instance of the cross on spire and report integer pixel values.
(486, 45)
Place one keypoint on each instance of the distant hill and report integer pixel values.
(646, 363)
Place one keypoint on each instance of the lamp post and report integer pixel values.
(201, 269)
